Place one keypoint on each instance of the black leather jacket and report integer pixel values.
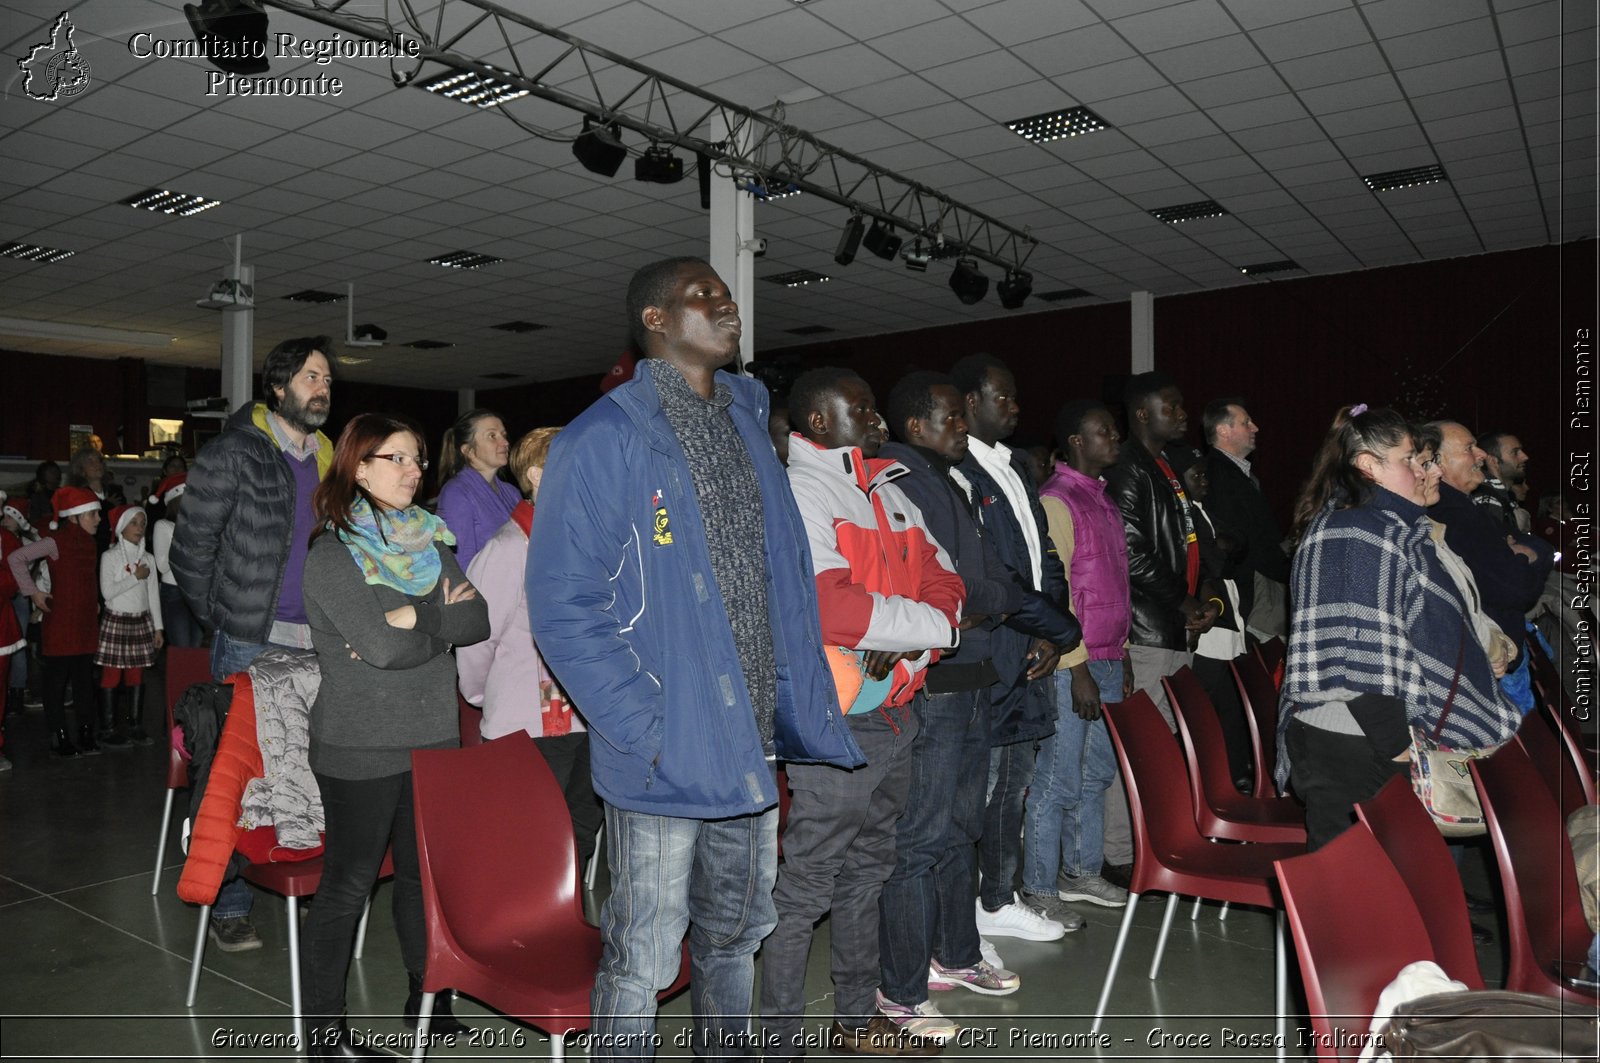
(1158, 554)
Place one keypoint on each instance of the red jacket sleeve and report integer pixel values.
(216, 830)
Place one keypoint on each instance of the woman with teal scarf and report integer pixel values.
(385, 603)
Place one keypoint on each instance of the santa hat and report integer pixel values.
(14, 513)
(70, 501)
(170, 488)
(121, 516)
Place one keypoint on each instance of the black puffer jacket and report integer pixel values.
(1158, 552)
(233, 529)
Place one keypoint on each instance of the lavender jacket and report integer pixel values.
(474, 508)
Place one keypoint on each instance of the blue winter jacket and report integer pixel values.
(623, 605)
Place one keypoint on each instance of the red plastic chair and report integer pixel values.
(1553, 693)
(184, 666)
(1544, 914)
(1419, 853)
(505, 922)
(1169, 853)
(1259, 695)
(1355, 927)
(1546, 746)
(1272, 654)
(1221, 811)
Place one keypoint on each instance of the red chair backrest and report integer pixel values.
(1355, 927)
(1271, 654)
(1204, 751)
(1154, 776)
(1544, 913)
(1546, 747)
(184, 667)
(1259, 694)
(498, 859)
(1418, 851)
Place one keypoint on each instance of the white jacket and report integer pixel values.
(123, 591)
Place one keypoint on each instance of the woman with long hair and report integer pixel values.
(474, 500)
(385, 603)
(1382, 646)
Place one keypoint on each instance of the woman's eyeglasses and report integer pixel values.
(405, 461)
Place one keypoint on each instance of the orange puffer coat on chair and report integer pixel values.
(216, 826)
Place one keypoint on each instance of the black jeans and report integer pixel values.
(364, 817)
(1331, 773)
(58, 672)
(568, 757)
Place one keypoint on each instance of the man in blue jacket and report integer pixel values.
(670, 590)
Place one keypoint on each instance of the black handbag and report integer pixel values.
(1493, 1025)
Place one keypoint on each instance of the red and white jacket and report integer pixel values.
(883, 583)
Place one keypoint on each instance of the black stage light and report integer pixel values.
(1015, 289)
(917, 259)
(658, 166)
(849, 240)
(969, 285)
(882, 241)
(599, 148)
(233, 34)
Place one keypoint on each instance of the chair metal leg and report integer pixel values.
(199, 954)
(558, 1047)
(1283, 986)
(361, 928)
(161, 844)
(1116, 959)
(292, 911)
(1194, 913)
(424, 1020)
(1222, 916)
(594, 860)
(1161, 942)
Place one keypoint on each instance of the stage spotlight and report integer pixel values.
(233, 34)
(1015, 289)
(882, 241)
(658, 166)
(849, 240)
(969, 285)
(917, 259)
(599, 147)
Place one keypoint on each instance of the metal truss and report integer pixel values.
(759, 149)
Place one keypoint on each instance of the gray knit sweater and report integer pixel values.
(401, 694)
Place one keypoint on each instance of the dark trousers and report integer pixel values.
(58, 672)
(1331, 773)
(1217, 678)
(568, 757)
(181, 626)
(1000, 849)
(364, 817)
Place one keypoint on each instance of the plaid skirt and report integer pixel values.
(127, 640)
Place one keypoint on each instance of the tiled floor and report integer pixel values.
(94, 967)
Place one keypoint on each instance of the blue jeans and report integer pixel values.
(19, 660)
(711, 878)
(1066, 804)
(181, 627)
(926, 909)
(1011, 769)
(230, 655)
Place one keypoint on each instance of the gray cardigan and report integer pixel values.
(401, 694)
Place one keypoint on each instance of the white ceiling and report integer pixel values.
(1274, 108)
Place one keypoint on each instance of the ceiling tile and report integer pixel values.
(1181, 24)
(1270, 110)
(1019, 21)
(1341, 64)
(1452, 74)
(1236, 87)
(1209, 58)
(1319, 33)
(784, 36)
(1351, 95)
(933, 44)
(1256, 13)
(1111, 80)
(1079, 49)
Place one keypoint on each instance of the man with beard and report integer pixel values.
(1505, 464)
(239, 548)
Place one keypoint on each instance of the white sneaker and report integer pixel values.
(924, 1020)
(990, 954)
(1017, 920)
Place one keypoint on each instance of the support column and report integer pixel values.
(238, 352)
(732, 227)
(466, 399)
(1143, 355)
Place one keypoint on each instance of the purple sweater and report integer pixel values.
(291, 603)
(474, 509)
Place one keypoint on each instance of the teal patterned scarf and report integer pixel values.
(395, 548)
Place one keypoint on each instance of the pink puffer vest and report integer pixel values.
(1098, 574)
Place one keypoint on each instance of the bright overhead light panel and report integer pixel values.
(798, 278)
(464, 260)
(1206, 208)
(473, 88)
(1390, 180)
(1282, 265)
(1057, 125)
(162, 201)
(34, 253)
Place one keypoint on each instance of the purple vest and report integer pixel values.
(1099, 572)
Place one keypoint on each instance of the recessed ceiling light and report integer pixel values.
(1206, 208)
(465, 260)
(471, 87)
(798, 278)
(162, 201)
(520, 326)
(1417, 175)
(809, 330)
(1282, 265)
(427, 345)
(311, 295)
(34, 253)
(1062, 294)
(1055, 125)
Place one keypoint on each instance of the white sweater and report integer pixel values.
(122, 590)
